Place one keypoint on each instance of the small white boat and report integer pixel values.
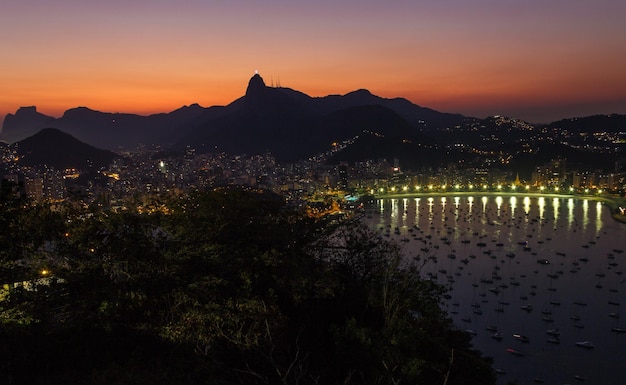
(585, 344)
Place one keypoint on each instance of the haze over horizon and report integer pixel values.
(539, 61)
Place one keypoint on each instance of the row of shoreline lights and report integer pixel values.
(472, 187)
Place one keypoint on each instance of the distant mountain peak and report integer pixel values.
(361, 91)
(255, 85)
(26, 110)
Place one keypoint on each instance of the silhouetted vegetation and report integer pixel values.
(224, 287)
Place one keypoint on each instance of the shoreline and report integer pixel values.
(611, 202)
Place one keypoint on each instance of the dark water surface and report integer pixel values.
(519, 265)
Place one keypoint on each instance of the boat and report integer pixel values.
(515, 352)
(497, 336)
(553, 332)
(585, 344)
(521, 338)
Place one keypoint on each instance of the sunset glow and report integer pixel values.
(536, 60)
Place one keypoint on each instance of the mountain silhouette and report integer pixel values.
(292, 126)
(266, 118)
(59, 150)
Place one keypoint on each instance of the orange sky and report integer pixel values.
(537, 60)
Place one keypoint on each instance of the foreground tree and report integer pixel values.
(229, 287)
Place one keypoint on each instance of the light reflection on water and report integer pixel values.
(579, 292)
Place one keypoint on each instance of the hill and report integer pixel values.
(54, 148)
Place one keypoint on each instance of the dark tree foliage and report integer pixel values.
(221, 287)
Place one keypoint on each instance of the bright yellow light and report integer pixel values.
(599, 191)
(405, 188)
(541, 188)
(381, 189)
(556, 189)
(586, 190)
(393, 189)
(443, 186)
(499, 187)
(45, 272)
(417, 187)
(527, 187)
(571, 189)
(471, 186)
(512, 187)
(430, 186)
(485, 186)
(456, 186)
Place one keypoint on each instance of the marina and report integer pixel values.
(537, 281)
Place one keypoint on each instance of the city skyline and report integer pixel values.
(536, 61)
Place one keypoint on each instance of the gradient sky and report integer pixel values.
(539, 60)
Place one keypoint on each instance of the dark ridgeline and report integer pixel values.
(278, 119)
(294, 126)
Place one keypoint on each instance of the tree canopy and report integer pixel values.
(220, 287)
